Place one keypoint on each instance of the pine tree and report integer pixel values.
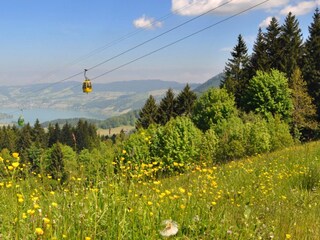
(236, 70)
(38, 135)
(53, 134)
(311, 66)
(259, 58)
(8, 138)
(291, 42)
(148, 114)
(185, 101)
(56, 165)
(273, 45)
(67, 135)
(24, 141)
(166, 108)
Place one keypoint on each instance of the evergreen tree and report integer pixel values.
(24, 141)
(291, 42)
(53, 134)
(56, 164)
(259, 58)
(8, 138)
(38, 135)
(67, 135)
(148, 114)
(236, 71)
(311, 67)
(304, 110)
(185, 101)
(86, 136)
(273, 45)
(166, 108)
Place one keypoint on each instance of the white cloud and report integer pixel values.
(265, 23)
(196, 7)
(301, 8)
(147, 23)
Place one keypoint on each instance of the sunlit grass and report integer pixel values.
(274, 196)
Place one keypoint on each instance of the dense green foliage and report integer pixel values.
(213, 106)
(269, 93)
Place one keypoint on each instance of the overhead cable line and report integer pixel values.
(181, 39)
(168, 45)
(139, 45)
(113, 43)
(175, 42)
(160, 35)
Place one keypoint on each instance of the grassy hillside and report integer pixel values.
(274, 196)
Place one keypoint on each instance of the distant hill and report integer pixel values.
(212, 82)
(106, 99)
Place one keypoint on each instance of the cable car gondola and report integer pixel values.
(86, 86)
(21, 121)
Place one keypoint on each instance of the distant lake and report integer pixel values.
(30, 115)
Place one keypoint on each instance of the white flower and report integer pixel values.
(171, 228)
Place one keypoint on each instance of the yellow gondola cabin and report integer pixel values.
(86, 85)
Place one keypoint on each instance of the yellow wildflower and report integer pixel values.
(15, 155)
(15, 164)
(39, 231)
(46, 220)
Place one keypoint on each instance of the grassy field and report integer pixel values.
(274, 196)
(117, 130)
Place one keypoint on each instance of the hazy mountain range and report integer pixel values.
(109, 99)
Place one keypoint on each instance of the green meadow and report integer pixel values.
(271, 196)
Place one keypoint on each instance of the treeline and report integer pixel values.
(280, 77)
(29, 138)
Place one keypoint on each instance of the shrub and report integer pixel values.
(232, 140)
(177, 144)
(258, 139)
(213, 106)
(279, 133)
(208, 148)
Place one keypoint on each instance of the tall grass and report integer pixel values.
(273, 196)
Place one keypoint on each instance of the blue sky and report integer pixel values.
(48, 41)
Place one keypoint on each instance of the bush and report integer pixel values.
(177, 144)
(209, 144)
(257, 135)
(213, 106)
(279, 133)
(232, 142)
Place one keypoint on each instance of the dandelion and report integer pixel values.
(87, 238)
(171, 228)
(39, 231)
(15, 164)
(15, 155)
(182, 190)
(288, 236)
(46, 220)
